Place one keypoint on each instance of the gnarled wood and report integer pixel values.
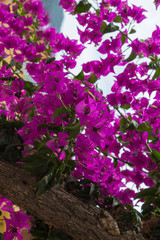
(59, 208)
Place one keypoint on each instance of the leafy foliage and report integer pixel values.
(1, 236)
(111, 27)
(41, 231)
(82, 6)
(11, 144)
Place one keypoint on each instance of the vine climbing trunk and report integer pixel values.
(58, 208)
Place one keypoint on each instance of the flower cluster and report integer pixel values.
(110, 139)
(13, 220)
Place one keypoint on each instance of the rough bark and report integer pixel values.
(58, 208)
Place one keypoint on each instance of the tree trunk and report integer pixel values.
(58, 208)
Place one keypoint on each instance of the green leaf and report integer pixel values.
(23, 12)
(41, 144)
(130, 164)
(3, 117)
(35, 38)
(148, 192)
(50, 60)
(36, 167)
(123, 124)
(131, 57)
(92, 189)
(82, 6)
(111, 28)
(108, 200)
(58, 177)
(67, 155)
(2, 57)
(132, 31)
(133, 125)
(126, 106)
(44, 183)
(93, 78)
(72, 164)
(73, 130)
(86, 90)
(4, 137)
(156, 75)
(115, 202)
(155, 176)
(10, 125)
(108, 28)
(123, 38)
(31, 113)
(24, 32)
(156, 155)
(37, 59)
(115, 164)
(37, 163)
(73, 133)
(143, 127)
(104, 25)
(19, 65)
(12, 62)
(118, 19)
(153, 66)
(80, 76)
(29, 86)
(59, 111)
(62, 167)
(152, 137)
(136, 214)
(147, 208)
(17, 124)
(126, 125)
(13, 153)
(1, 236)
(5, 63)
(98, 12)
